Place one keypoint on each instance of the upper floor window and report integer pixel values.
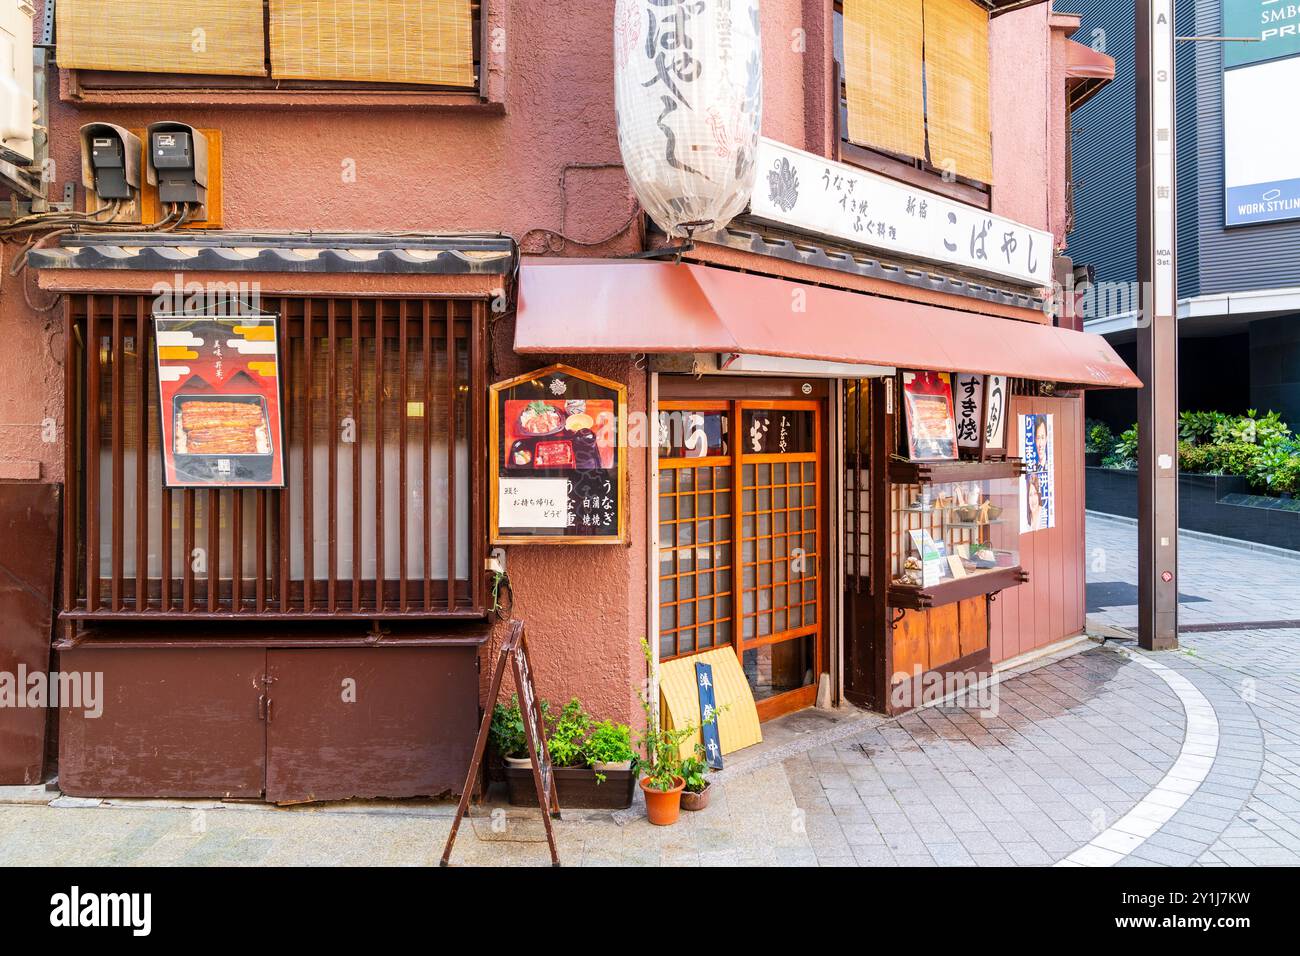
(914, 83)
(271, 44)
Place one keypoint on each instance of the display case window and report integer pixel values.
(953, 530)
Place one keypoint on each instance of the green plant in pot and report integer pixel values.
(566, 735)
(609, 747)
(662, 780)
(507, 732)
(695, 795)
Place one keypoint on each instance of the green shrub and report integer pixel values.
(1124, 452)
(1232, 458)
(1199, 427)
(566, 734)
(1100, 438)
(1250, 429)
(507, 730)
(609, 742)
(1277, 468)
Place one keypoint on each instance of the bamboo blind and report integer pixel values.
(385, 41)
(882, 69)
(162, 36)
(957, 87)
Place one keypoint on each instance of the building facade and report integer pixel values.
(1238, 215)
(435, 236)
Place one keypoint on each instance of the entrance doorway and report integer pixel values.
(742, 539)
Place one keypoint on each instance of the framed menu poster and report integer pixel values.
(219, 401)
(931, 429)
(559, 465)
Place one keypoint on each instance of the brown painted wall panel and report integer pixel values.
(177, 722)
(29, 540)
(944, 640)
(409, 731)
(973, 620)
(1051, 606)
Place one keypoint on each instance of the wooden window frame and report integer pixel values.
(90, 83)
(914, 170)
(270, 590)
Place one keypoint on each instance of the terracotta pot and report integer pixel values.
(663, 806)
(696, 801)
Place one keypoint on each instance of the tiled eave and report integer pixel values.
(751, 236)
(369, 253)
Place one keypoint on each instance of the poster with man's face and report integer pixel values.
(1038, 485)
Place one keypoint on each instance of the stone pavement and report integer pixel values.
(1088, 756)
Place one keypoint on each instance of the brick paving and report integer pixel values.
(1071, 745)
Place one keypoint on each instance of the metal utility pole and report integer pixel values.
(1157, 334)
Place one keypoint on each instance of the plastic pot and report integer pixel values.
(663, 806)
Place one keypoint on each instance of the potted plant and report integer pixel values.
(695, 795)
(507, 734)
(584, 762)
(662, 780)
(609, 747)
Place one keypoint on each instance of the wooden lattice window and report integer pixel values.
(380, 518)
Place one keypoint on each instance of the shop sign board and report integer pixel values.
(708, 716)
(514, 657)
(559, 463)
(219, 401)
(980, 402)
(810, 194)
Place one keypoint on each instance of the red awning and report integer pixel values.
(589, 306)
(1087, 71)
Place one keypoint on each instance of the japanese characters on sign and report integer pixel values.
(219, 402)
(778, 431)
(558, 458)
(1038, 485)
(816, 195)
(708, 716)
(980, 403)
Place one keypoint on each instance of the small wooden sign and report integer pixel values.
(708, 716)
(558, 440)
(514, 654)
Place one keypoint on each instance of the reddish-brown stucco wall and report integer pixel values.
(538, 162)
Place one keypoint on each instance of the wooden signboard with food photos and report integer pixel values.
(559, 459)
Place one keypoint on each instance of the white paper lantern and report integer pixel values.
(688, 95)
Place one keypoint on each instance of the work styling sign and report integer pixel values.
(219, 401)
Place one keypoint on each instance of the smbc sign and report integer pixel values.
(1274, 23)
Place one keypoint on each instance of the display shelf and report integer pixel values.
(956, 589)
(904, 472)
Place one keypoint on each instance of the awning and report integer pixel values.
(1086, 71)
(591, 306)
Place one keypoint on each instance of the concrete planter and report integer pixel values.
(1215, 504)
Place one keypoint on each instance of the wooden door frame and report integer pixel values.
(735, 394)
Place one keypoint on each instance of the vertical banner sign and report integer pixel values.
(1038, 484)
(970, 412)
(219, 402)
(559, 464)
(1158, 330)
(995, 415)
(708, 716)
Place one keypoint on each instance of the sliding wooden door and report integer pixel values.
(741, 517)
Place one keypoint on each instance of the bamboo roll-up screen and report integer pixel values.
(162, 36)
(957, 87)
(882, 67)
(379, 41)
